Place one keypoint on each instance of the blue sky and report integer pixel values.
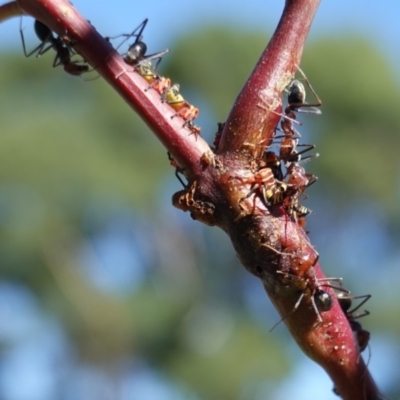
(168, 20)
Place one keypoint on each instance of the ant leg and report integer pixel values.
(339, 288)
(366, 297)
(253, 190)
(63, 56)
(45, 38)
(286, 117)
(338, 280)
(295, 134)
(306, 108)
(156, 56)
(38, 49)
(129, 35)
(349, 299)
(295, 157)
(319, 101)
(295, 307)
(177, 172)
(361, 314)
(308, 147)
(320, 320)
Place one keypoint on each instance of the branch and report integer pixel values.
(248, 121)
(10, 10)
(61, 17)
(227, 189)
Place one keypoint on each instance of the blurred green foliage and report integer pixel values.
(67, 145)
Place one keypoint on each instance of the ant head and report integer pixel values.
(136, 52)
(297, 93)
(323, 300)
(42, 31)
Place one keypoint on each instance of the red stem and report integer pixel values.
(249, 120)
(10, 10)
(61, 17)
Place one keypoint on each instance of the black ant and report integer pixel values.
(136, 53)
(321, 300)
(63, 50)
(297, 97)
(296, 178)
(296, 103)
(361, 334)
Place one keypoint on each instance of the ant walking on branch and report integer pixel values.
(136, 53)
(62, 47)
(136, 56)
(277, 187)
(361, 334)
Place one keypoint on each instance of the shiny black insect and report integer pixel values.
(296, 103)
(361, 334)
(64, 51)
(297, 97)
(289, 155)
(137, 50)
(323, 300)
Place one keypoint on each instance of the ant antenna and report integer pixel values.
(129, 35)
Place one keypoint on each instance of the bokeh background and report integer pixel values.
(107, 291)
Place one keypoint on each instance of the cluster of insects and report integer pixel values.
(281, 181)
(281, 178)
(321, 301)
(169, 93)
(135, 57)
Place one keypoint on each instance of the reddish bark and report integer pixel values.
(10, 10)
(269, 244)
